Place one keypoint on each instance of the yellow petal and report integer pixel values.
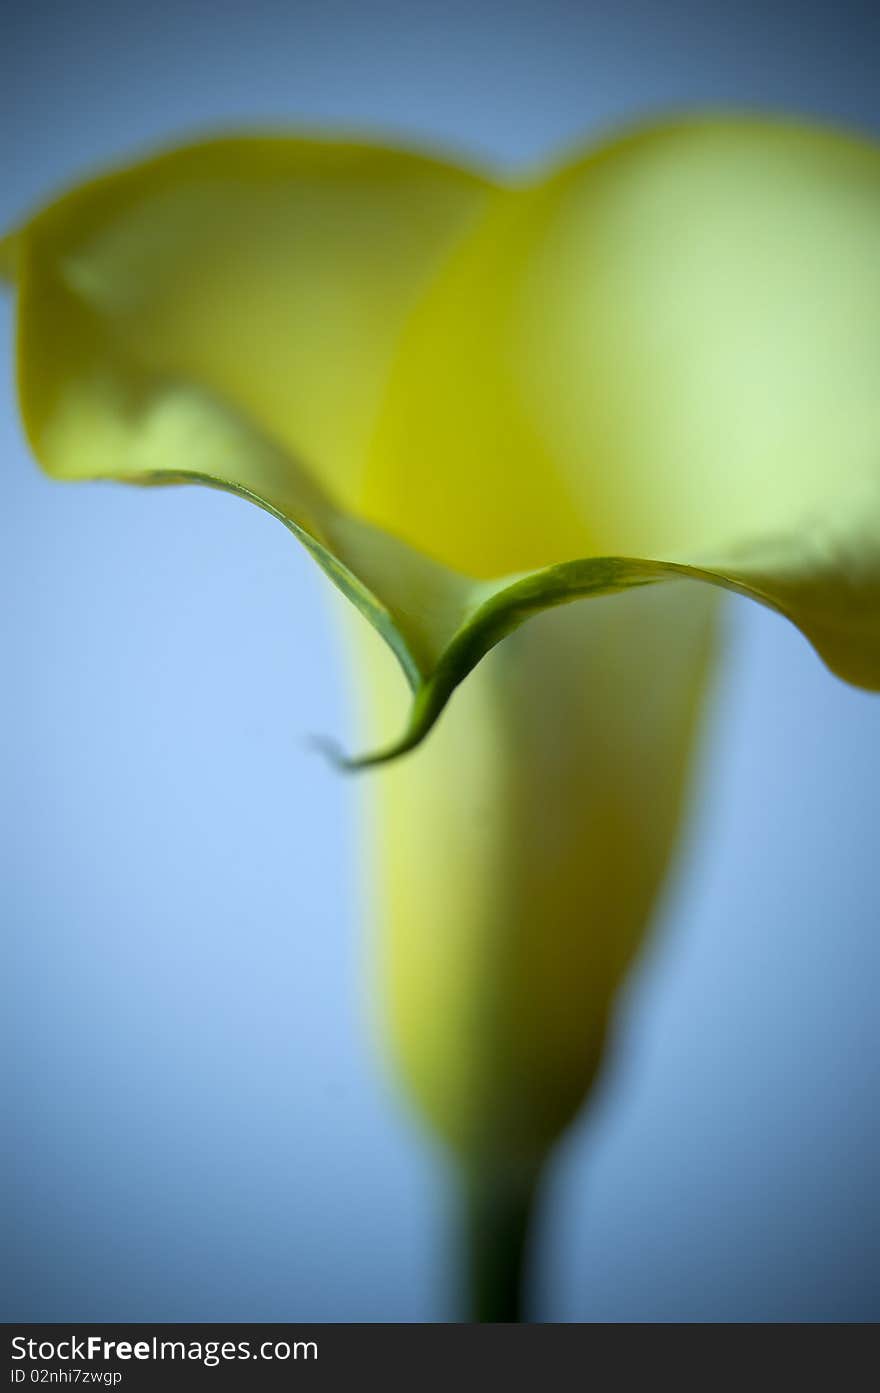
(520, 852)
(226, 314)
(668, 355)
(683, 327)
(659, 360)
(273, 273)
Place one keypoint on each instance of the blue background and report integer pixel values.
(197, 1125)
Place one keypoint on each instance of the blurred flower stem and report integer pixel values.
(498, 1241)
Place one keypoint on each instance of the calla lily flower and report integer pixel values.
(637, 379)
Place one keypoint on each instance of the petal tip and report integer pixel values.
(333, 752)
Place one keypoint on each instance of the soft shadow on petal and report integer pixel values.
(517, 857)
(8, 258)
(226, 314)
(274, 273)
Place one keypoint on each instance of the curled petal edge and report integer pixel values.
(807, 580)
(511, 603)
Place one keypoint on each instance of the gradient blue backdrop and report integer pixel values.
(196, 1126)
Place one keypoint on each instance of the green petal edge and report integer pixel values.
(839, 616)
(108, 410)
(439, 641)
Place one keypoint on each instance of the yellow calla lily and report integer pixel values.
(474, 403)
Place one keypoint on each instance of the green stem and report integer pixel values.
(498, 1223)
